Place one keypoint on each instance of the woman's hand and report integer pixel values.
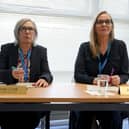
(115, 80)
(95, 81)
(41, 83)
(18, 74)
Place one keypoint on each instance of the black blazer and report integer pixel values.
(39, 67)
(86, 67)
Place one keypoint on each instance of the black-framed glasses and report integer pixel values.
(107, 22)
(24, 29)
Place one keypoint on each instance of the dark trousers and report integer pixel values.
(83, 119)
(20, 120)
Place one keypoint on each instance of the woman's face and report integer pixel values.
(103, 25)
(27, 33)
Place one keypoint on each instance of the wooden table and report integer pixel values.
(61, 96)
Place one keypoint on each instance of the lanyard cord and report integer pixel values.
(102, 65)
(25, 65)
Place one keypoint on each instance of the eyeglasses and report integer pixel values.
(107, 22)
(24, 29)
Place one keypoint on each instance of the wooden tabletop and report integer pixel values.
(61, 92)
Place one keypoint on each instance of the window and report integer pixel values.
(54, 7)
(118, 9)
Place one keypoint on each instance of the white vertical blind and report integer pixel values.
(119, 9)
(62, 34)
(58, 7)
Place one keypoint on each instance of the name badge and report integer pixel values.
(13, 89)
(124, 90)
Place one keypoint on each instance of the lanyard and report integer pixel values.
(25, 65)
(102, 65)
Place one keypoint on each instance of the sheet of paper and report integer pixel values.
(95, 90)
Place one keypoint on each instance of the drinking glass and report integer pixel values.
(103, 83)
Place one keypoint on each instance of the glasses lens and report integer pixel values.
(23, 28)
(108, 21)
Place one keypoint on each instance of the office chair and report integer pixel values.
(95, 124)
(124, 115)
(45, 121)
(73, 118)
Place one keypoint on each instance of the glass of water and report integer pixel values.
(102, 83)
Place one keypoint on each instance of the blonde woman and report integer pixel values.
(103, 54)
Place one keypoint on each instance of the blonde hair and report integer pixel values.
(19, 24)
(94, 46)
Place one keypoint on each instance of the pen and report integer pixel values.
(13, 67)
(112, 72)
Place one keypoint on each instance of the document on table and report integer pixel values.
(95, 90)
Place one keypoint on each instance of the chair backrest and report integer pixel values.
(124, 114)
(45, 121)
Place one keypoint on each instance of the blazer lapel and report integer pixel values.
(14, 57)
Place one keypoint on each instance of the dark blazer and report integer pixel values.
(86, 67)
(39, 67)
